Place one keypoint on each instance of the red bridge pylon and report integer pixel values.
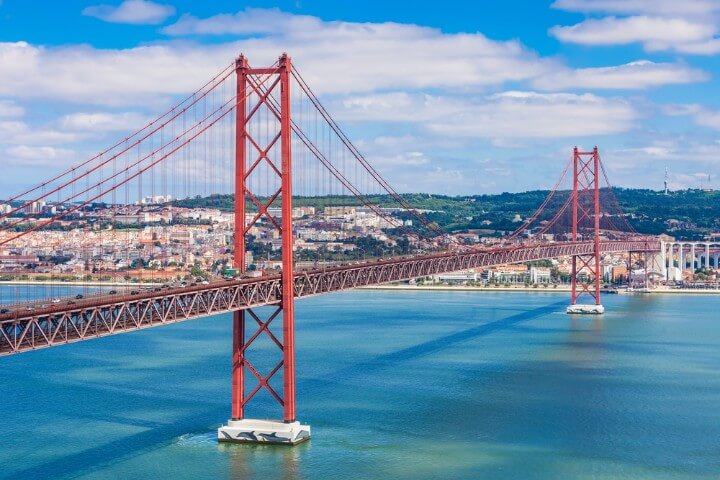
(586, 270)
(256, 151)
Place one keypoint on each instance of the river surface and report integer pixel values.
(395, 384)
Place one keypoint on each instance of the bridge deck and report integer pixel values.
(103, 315)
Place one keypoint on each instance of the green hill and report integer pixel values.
(686, 214)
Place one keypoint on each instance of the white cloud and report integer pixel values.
(682, 181)
(16, 132)
(342, 57)
(678, 153)
(440, 179)
(709, 47)
(634, 75)
(708, 118)
(654, 32)
(688, 26)
(405, 159)
(502, 116)
(397, 107)
(638, 7)
(41, 156)
(250, 21)
(137, 12)
(681, 109)
(135, 76)
(535, 115)
(10, 109)
(334, 57)
(701, 115)
(644, 165)
(102, 122)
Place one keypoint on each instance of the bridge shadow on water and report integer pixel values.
(389, 360)
(96, 457)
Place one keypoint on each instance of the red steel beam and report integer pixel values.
(238, 367)
(288, 276)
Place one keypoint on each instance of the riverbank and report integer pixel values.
(676, 291)
(465, 288)
(559, 288)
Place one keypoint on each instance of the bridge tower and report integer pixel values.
(586, 270)
(257, 149)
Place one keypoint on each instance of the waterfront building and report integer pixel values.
(539, 275)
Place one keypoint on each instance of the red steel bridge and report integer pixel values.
(287, 168)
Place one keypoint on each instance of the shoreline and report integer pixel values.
(463, 288)
(559, 289)
(678, 291)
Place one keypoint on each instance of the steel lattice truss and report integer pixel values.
(111, 314)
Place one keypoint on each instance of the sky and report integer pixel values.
(451, 97)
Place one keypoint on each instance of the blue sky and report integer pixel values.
(444, 97)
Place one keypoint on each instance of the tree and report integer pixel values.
(198, 272)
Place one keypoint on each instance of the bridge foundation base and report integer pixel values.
(585, 309)
(263, 431)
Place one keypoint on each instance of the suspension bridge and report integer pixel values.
(290, 159)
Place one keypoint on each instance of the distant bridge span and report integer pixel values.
(58, 324)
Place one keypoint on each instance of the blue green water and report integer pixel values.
(407, 385)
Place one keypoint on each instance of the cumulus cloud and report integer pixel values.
(368, 54)
(701, 115)
(84, 74)
(361, 60)
(690, 26)
(137, 12)
(405, 159)
(335, 58)
(535, 115)
(43, 156)
(635, 75)
(501, 116)
(250, 21)
(698, 8)
(19, 132)
(708, 47)
(644, 164)
(654, 32)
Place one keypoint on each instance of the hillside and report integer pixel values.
(685, 214)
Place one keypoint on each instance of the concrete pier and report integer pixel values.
(585, 309)
(263, 431)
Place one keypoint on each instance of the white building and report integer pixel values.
(539, 275)
(458, 277)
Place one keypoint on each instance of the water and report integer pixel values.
(408, 385)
